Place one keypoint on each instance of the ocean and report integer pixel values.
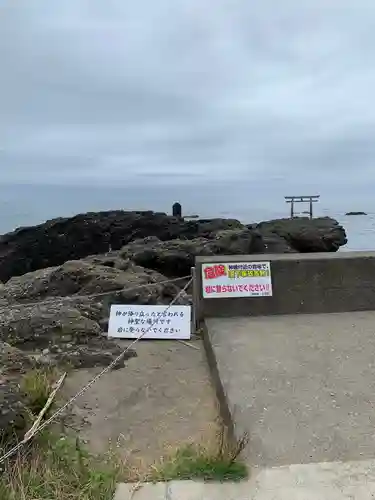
(23, 205)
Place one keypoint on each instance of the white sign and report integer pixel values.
(153, 322)
(237, 279)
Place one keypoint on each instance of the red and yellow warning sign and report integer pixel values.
(242, 279)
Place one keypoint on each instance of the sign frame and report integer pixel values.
(236, 279)
(129, 321)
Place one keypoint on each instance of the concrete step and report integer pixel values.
(301, 386)
(324, 481)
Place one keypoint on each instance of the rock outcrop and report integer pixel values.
(53, 311)
(58, 240)
(177, 257)
(51, 317)
(13, 365)
(322, 234)
(75, 279)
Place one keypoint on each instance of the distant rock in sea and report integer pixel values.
(355, 213)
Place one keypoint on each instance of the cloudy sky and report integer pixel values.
(234, 102)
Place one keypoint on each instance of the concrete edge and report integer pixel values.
(224, 407)
(207, 259)
(317, 481)
(143, 491)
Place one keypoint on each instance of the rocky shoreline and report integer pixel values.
(50, 273)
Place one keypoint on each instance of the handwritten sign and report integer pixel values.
(238, 279)
(153, 322)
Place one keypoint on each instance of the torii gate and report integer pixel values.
(302, 199)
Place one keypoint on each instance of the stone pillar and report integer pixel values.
(177, 210)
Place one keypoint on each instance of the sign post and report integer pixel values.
(195, 301)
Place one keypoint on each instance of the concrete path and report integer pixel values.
(326, 481)
(302, 386)
(160, 400)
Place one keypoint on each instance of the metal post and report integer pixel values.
(195, 301)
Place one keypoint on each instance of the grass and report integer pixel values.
(60, 469)
(220, 463)
(55, 467)
(37, 385)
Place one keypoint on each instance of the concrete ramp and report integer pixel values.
(303, 386)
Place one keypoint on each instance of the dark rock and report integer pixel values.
(57, 333)
(56, 241)
(177, 257)
(92, 354)
(46, 324)
(84, 277)
(239, 241)
(13, 364)
(13, 361)
(322, 234)
(52, 311)
(110, 259)
(355, 213)
(12, 409)
(274, 243)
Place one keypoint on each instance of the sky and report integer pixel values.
(226, 105)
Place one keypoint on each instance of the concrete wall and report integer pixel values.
(302, 283)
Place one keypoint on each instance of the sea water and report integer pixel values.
(23, 205)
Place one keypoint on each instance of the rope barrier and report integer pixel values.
(41, 302)
(14, 450)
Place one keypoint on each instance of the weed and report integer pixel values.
(221, 463)
(37, 385)
(59, 468)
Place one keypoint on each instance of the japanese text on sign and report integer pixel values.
(152, 322)
(242, 279)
